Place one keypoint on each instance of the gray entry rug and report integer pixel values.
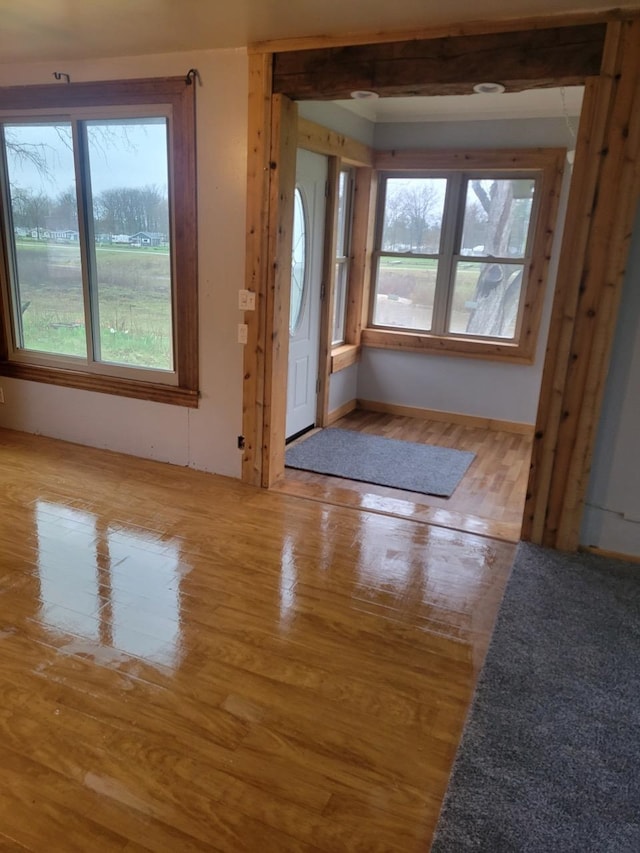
(354, 455)
(550, 757)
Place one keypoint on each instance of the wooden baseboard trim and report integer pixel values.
(341, 411)
(450, 417)
(612, 555)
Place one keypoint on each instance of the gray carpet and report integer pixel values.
(345, 453)
(550, 756)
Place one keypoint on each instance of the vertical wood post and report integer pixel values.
(258, 178)
(284, 141)
(328, 288)
(597, 232)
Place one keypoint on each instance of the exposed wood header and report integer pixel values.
(523, 59)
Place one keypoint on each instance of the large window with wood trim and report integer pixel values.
(461, 251)
(98, 224)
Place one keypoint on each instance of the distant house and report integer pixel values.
(120, 238)
(147, 238)
(65, 236)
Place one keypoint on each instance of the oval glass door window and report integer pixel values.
(298, 261)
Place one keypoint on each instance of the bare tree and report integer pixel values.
(498, 286)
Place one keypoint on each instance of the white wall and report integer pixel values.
(343, 387)
(612, 513)
(468, 386)
(205, 438)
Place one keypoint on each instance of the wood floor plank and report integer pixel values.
(190, 663)
(488, 501)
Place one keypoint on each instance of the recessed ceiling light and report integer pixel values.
(488, 88)
(363, 95)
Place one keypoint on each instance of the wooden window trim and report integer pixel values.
(550, 165)
(180, 97)
(344, 356)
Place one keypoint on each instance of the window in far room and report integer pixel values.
(460, 257)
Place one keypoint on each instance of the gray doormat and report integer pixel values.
(354, 455)
(549, 759)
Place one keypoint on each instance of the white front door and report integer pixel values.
(306, 284)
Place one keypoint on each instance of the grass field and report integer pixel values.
(133, 301)
(406, 288)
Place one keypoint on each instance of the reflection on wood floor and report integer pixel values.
(189, 663)
(489, 500)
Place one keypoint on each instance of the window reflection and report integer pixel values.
(110, 586)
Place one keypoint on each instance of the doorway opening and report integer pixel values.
(405, 395)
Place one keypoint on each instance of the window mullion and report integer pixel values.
(451, 220)
(87, 241)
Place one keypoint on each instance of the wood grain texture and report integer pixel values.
(435, 66)
(599, 220)
(284, 134)
(327, 292)
(191, 663)
(322, 140)
(362, 228)
(258, 177)
(489, 500)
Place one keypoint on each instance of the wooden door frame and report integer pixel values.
(600, 214)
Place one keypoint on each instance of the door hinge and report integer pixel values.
(318, 385)
(323, 290)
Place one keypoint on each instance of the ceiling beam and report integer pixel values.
(560, 56)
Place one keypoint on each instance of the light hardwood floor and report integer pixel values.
(189, 663)
(489, 500)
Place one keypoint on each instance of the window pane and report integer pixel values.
(413, 215)
(48, 290)
(341, 243)
(299, 273)
(129, 188)
(496, 217)
(404, 292)
(486, 298)
(339, 303)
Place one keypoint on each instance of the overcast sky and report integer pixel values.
(121, 154)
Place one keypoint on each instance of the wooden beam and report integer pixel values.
(599, 221)
(328, 289)
(502, 159)
(284, 136)
(258, 176)
(321, 140)
(519, 60)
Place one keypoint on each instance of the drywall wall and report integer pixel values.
(505, 133)
(468, 386)
(344, 387)
(612, 514)
(205, 438)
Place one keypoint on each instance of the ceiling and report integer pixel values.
(532, 103)
(32, 30)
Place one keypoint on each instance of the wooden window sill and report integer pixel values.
(344, 356)
(135, 388)
(464, 347)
